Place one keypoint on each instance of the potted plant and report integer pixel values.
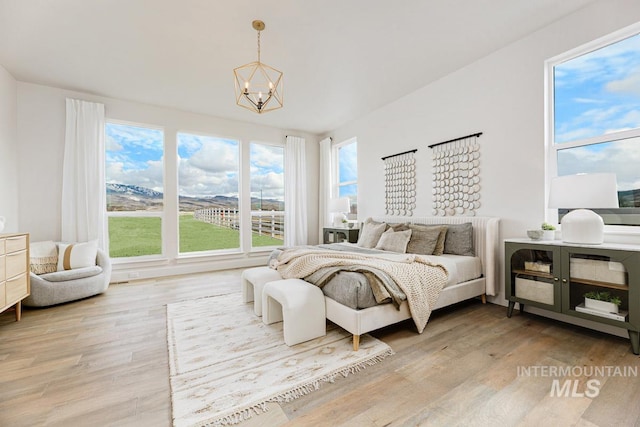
(548, 231)
(602, 301)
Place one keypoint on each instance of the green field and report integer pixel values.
(137, 236)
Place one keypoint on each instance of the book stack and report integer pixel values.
(621, 315)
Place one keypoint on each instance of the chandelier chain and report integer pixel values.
(258, 46)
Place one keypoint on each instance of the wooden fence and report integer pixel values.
(266, 223)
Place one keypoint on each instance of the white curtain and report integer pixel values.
(83, 181)
(295, 192)
(325, 186)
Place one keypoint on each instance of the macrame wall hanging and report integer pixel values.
(456, 176)
(400, 183)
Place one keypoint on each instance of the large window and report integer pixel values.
(267, 194)
(346, 174)
(208, 171)
(594, 117)
(135, 183)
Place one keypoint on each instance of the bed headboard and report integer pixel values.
(486, 235)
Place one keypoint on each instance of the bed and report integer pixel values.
(469, 277)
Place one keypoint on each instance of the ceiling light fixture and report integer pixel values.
(258, 86)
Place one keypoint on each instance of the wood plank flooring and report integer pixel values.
(103, 362)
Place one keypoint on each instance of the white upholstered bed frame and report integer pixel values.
(485, 240)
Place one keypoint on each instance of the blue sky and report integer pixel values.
(207, 166)
(598, 94)
(348, 169)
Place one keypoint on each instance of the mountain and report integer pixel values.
(122, 197)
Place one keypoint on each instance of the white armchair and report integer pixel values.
(70, 285)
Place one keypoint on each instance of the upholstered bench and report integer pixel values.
(253, 280)
(299, 304)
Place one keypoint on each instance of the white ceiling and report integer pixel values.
(340, 58)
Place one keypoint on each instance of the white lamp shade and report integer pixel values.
(341, 205)
(595, 191)
(584, 191)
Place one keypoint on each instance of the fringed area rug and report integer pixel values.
(225, 364)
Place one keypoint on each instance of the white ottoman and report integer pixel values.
(253, 280)
(299, 304)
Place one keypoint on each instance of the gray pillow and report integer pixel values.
(394, 241)
(370, 233)
(459, 240)
(427, 239)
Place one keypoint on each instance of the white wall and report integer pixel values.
(40, 129)
(8, 152)
(501, 95)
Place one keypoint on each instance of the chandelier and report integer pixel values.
(258, 86)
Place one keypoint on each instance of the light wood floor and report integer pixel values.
(103, 362)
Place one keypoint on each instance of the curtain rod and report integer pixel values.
(400, 154)
(455, 139)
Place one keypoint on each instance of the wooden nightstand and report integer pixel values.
(340, 234)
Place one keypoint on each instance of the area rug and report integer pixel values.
(225, 364)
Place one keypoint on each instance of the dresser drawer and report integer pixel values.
(15, 243)
(2, 250)
(15, 264)
(16, 289)
(3, 269)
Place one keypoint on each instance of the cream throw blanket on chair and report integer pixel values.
(421, 280)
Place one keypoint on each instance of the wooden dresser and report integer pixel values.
(14, 271)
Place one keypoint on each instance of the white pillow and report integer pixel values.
(370, 233)
(394, 241)
(43, 257)
(77, 255)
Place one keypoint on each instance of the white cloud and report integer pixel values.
(620, 157)
(630, 84)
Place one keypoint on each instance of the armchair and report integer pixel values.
(70, 285)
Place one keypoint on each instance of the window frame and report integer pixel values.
(551, 148)
(335, 173)
(148, 214)
(260, 249)
(208, 252)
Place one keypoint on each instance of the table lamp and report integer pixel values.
(582, 192)
(341, 207)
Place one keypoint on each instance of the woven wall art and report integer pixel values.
(456, 177)
(400, 183)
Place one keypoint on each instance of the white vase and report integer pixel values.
(607, 307)
(548, 234)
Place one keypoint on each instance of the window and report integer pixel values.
(267, 194)
(135, 182)
(346, 174)
(594, 117)
(209, 215)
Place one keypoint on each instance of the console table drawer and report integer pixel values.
(3, 300)
(15, 264)
(15, 244)
(16, 288)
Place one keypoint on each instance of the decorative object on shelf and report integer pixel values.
(548, 231)
(535, 234)
(258, 86)
(400, 183)
(602, 301)
(541, 267)
(2, 221)
(340, 208)
(582, 192)
(456, 176)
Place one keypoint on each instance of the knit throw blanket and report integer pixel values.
(421, 280)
